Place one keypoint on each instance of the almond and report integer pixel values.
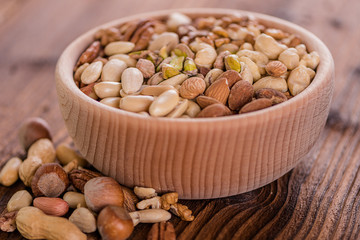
(215, 110)
(51, 206)
(276, 68)
(192, 87)
(232, 76)
(272, 94)
(219, 90)
(241, 93)
(205, 101)
(255, 105)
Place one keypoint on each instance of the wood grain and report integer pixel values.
(318, 199)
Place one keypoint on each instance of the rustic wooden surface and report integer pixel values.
(320, 198)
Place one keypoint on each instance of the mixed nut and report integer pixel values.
(68, 200)
(201, 67)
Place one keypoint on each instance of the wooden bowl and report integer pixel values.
(198, 158)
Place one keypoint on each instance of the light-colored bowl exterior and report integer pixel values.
(198, 158)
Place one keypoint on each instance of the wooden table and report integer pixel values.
(320, 198)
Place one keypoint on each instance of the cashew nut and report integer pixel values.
(290, 58)
(144, 193)
(298, 80)
(269, 46)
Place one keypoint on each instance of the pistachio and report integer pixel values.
(169, 71)
(146, 67)
(311, 60)
(92, 72)
(177, 62)
(232, 62)
(219, 61)
(136, 103)
(163, 52)
(205, 57)
(246, 74)
(183, 50)
(164, 104)
(155, 79)
(118, 47)
(107, 89)
(190, 67)
(131, 80)
(276, 83)
(212, 75)
(232, 48)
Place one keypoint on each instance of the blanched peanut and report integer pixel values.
(164, 104)
(254, 69)
(112, 70)
(193, 109)
(130, 62)
(118, 47)
(311, 60)
(276, 83)
(205, 57)
(176, 80)
(92, 72)
(290, 58)
(107, 89)
(298, 80)
(269, 46)
(79, 71)
(131, 80)
(136, 103)
(111, 101)
(155, 90)
(179, 109)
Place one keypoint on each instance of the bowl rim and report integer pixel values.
(64, 72)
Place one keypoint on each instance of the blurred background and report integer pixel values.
(33, 33)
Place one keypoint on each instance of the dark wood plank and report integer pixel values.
(318, 199)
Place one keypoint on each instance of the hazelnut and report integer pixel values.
(102, 191)
(32, 130)
(114, 222)
(50, 180)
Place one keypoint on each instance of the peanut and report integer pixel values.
(32, 223)
(19, 200)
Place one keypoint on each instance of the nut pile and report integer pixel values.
(68, 201)
(201, 67)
